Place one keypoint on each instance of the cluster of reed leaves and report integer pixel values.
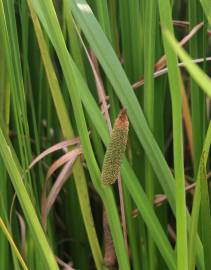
(64, 65)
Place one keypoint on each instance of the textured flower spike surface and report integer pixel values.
(116, 149)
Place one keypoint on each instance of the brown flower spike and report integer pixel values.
(116, 149)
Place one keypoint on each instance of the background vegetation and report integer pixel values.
(67, 68)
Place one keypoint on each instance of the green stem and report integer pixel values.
(149, 58)
(175, 86)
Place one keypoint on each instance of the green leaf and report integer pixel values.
(12, 243)
(13, 168)
(176, 101)
(206, 218)
(198, 199)
(206, 4)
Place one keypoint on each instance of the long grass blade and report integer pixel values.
(12, 243)
(175, 86)
(197, 200)
(13, 169)
(206, 218)
(149, 59)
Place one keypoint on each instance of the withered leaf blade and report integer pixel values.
(54, 148)
(62, 160)
(47, 203)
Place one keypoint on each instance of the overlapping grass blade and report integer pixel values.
(123, 40)
(12, 243)
(68, 133)
(196, 73)
(141, 200)
(124, 91)
(13, 168)
(138, 196)
(46, 13)
(197, 48)
(10, 41)
(113, 70)
(91, 163)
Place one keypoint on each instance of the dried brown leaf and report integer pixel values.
(48, 202)
(66, 266)
(62, 160)
(54, 148)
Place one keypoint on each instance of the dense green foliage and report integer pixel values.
(67, 69)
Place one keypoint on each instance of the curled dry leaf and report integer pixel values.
(54, 148)
(48, 202)
(62, 160)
